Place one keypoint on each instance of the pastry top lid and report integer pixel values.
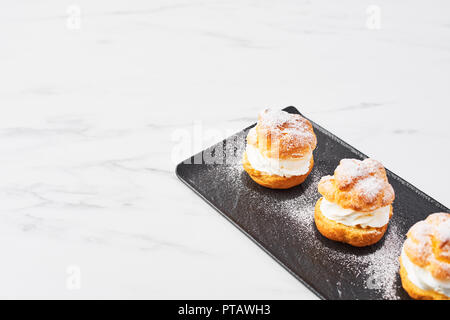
(358, 185)
(428, 244)
(283, 135)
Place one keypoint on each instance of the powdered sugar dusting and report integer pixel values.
(443, 231)
(421, 231)
(366, 178)
(370, 187)
(433, 231)
(436, 225)
(388, 194)
(285, 219)
(276, 118)
(293, 129)
(382, 266)
(351, 170)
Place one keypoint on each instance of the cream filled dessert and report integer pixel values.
(279, 152)
(425, 259)
(357, 203)
(276, 166)
(375, 219)
(422, 278)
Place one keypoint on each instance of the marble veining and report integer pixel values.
(92, 109)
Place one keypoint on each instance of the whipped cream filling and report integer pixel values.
(279, 167)
(422, 278)
(350, 217)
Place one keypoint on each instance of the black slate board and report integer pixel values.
(281, 221)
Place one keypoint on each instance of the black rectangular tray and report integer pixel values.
(281, 221)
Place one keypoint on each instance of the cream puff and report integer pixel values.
(425, 259)
(279, 152)
(357, 203)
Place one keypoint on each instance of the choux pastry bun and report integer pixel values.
(425, 259)
(279, 152)
(357, 203)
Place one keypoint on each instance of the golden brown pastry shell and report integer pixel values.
(341, 188)
(272, 142)
(355, 236)
(425, 249)
(414, 291)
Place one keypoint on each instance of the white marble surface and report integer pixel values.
(87, 118)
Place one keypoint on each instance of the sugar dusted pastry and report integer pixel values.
(279, 153)
(425, 259)
(357, 203)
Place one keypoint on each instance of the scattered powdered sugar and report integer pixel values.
(388, 194)
(366, 177)
(422, 236)
(379, 269)
(353, 169)
(443, 230)
(293, 129)
(300, 209)
(421, 232)
(350, 170)
(382, 266)
(276, 118)
(370, 187)
(436, 225)
(285, 218)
